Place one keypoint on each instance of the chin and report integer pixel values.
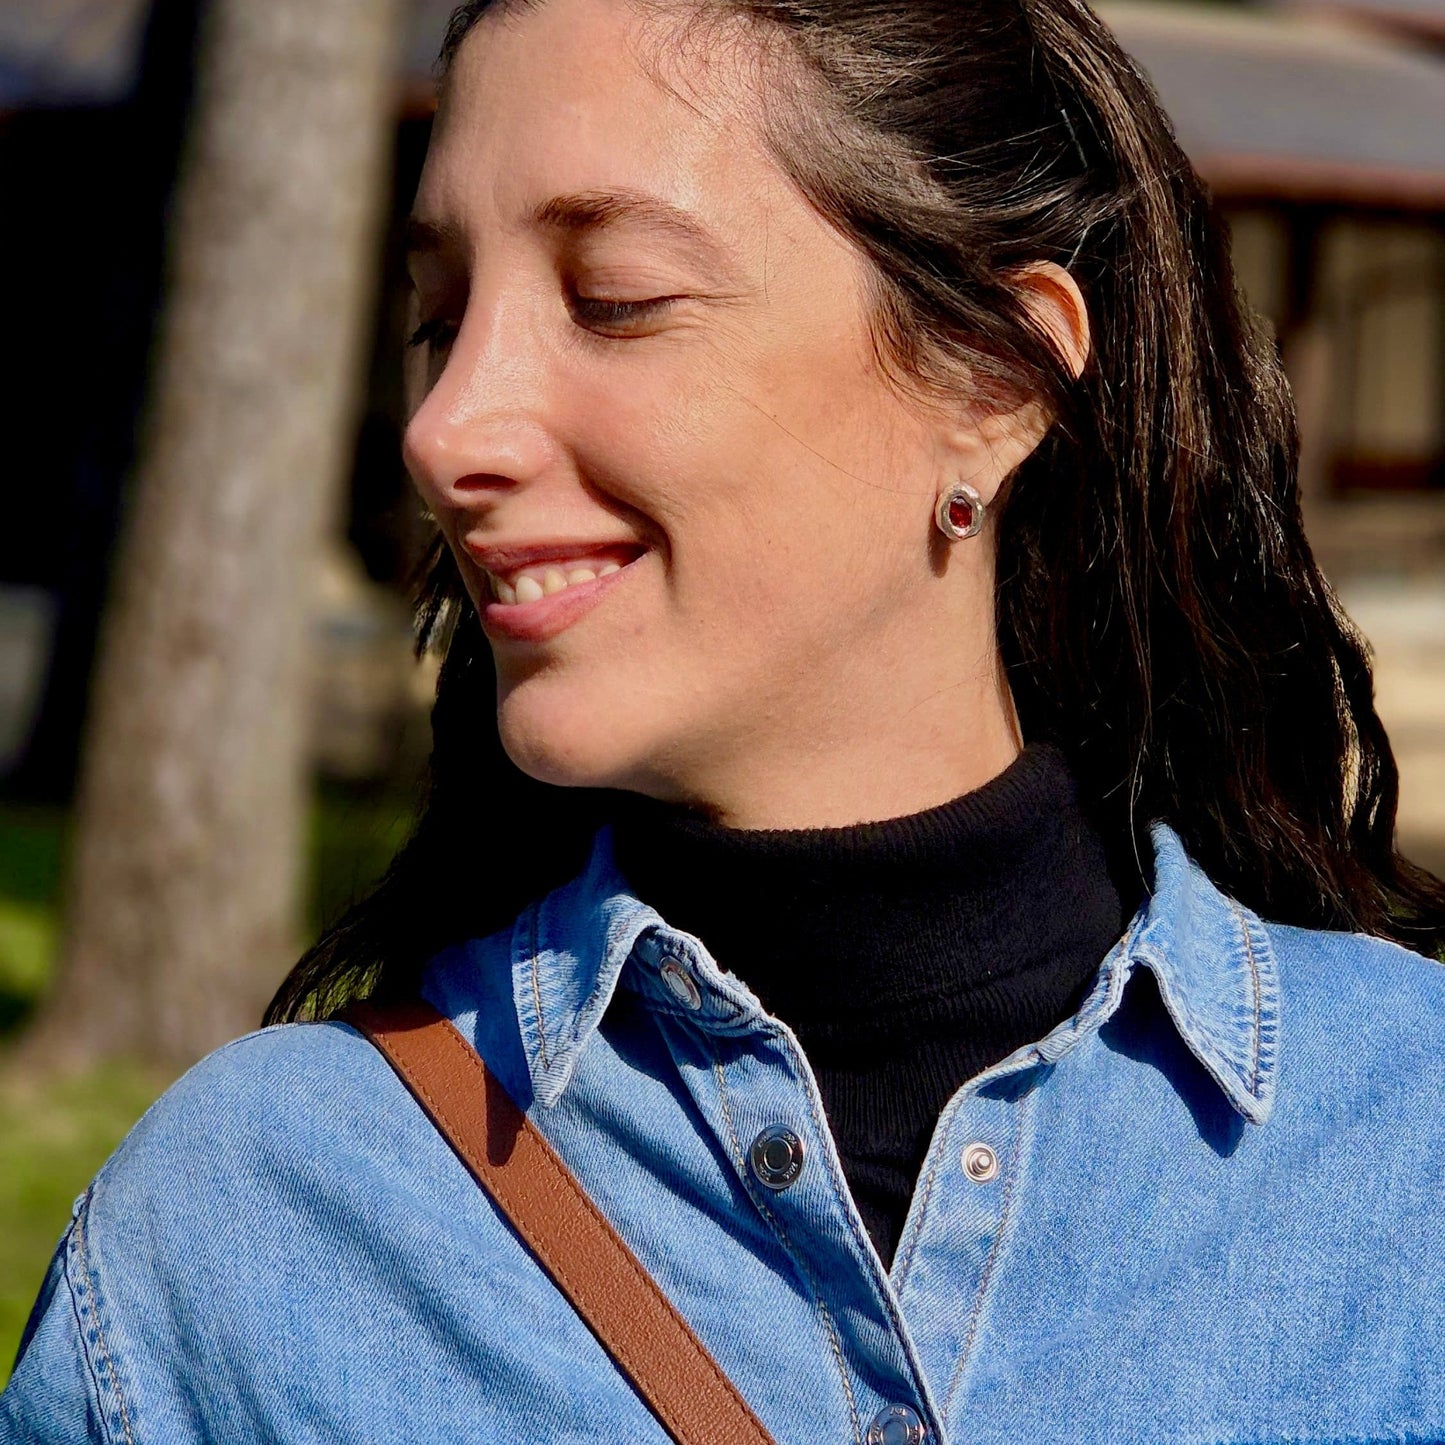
(567, 744)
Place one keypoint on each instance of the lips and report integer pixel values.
(501, 559)
(542, 588)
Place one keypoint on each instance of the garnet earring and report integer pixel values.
(960, 512)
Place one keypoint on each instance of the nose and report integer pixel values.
(482, 428)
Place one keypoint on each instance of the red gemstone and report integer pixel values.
(960, 513)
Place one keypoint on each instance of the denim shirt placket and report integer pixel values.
(971, 1195)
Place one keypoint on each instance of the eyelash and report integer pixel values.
(428, 333)
(591, 310)
(601, 312)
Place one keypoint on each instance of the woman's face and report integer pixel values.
(646, 372)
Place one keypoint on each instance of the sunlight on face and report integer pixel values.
(642, 355)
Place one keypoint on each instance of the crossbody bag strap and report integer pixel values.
(622, 1304)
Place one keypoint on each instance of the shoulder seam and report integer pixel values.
(105, 1375)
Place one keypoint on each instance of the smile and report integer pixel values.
(539, 591)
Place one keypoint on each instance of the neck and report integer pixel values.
(911, 755)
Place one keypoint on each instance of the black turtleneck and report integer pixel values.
(906, 955)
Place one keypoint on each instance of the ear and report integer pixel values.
(992, 442)
(1057, 305)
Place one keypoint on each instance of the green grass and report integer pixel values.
(55, 1133)
(27, 945)
(32, 846)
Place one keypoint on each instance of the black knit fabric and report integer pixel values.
(906, 955)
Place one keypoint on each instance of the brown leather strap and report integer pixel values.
(622, 1304)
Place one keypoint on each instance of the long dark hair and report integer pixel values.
(1159, 611)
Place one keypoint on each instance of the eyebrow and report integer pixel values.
(601, 210)
(580, 212)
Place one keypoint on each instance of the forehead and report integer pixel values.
(576, 96)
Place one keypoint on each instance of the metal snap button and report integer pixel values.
(680, 983)
(896, 1425)
(777, 1157)
(980, 1163)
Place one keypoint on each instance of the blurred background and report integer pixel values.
(208, 536)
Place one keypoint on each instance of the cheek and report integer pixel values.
(818, 512)
(766, 458)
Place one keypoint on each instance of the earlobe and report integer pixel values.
(992, 445)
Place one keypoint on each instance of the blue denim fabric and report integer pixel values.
(1216, 1216)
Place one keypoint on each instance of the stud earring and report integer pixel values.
(960, 512)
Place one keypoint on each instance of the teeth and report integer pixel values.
(529, 586)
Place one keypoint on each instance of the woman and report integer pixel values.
(939, 895)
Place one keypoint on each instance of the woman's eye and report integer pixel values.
(600, 314)
(433, 334)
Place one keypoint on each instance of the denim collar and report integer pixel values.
(1211, 958)
(1215, 967)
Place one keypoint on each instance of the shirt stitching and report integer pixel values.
(1255, 983)
(1202, 1033)
(83, 1253)
(906, 1263)
(534, 942)
(80, 1312)
(834, 1343)
(988, 1266)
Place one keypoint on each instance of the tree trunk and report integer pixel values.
(188, 859)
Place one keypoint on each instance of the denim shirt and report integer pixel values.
(1204, 1209)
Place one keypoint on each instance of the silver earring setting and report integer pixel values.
(960, 512)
